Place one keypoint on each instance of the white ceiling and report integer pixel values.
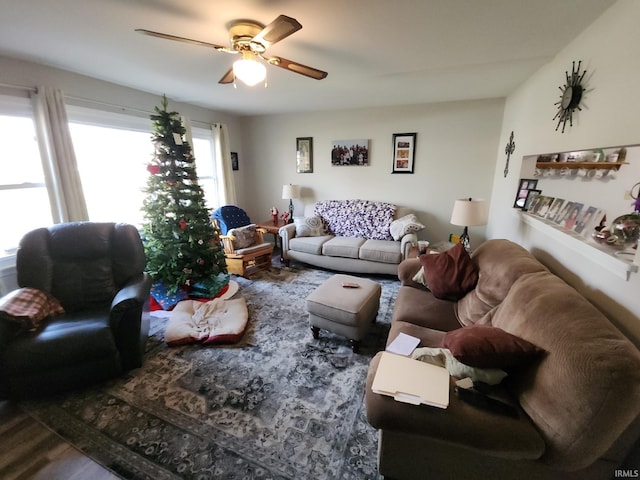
(377, 52)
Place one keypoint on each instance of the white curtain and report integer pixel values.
(222, 158)
(58, 157)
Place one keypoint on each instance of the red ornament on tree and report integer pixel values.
(183, 224)
(153, 169)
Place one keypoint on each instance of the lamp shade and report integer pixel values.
(469, 212)
(290, 191)
(249, 70)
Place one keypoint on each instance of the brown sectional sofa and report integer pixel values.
(578, 406)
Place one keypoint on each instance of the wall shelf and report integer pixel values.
(578, 165)
(602, 255)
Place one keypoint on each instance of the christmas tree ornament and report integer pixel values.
(153, 169)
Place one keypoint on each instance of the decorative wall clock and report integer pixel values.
(571, 94)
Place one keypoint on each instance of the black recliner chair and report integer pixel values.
(96, 272)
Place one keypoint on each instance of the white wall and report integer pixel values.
(608, 50)
(455, 151)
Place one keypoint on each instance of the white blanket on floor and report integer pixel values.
(216, 321)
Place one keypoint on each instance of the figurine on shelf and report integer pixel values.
(274, 215)
(285, 217)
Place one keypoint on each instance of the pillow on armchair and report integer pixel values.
(244, 236)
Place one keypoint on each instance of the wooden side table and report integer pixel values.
(272, 227)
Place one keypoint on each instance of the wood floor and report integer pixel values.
(30, 451)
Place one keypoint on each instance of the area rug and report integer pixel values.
(277, 405)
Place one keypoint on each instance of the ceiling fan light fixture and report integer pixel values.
(249, 69)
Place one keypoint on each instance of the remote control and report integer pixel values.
(480, 400)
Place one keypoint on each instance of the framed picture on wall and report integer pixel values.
(525, 185)
(532, 199)
(350, 153)
(304, 155)
(234, 161)
(404, 146)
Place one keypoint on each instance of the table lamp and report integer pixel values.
(468, 212)
(289, 192)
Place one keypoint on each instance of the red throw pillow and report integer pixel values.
(484, 346)
(451, 274)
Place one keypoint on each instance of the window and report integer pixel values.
(112, 164)
(113, 151)
(205, 163)
(23, 194)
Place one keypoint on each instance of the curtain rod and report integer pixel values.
(18, 87)
(98, 102)
(127, 109)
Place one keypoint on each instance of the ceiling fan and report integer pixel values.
(251, 39)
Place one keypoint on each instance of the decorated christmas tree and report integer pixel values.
(181, 243)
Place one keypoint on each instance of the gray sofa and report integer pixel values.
(352, 236)
(578, 406)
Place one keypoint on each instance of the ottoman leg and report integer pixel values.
(355, 345)
(315, 331)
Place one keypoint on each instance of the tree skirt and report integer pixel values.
(277, 405)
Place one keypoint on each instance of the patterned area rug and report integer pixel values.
(278, 405)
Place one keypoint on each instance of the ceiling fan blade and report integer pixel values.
(227, 77)
(297, 68)
(277, 30)
(151, 33)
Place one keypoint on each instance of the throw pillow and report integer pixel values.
(403, 225)
(484, 346)
(244, 236)
(309, 226)
(29, 306)
(451, 274)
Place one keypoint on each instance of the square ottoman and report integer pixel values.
(345, 311)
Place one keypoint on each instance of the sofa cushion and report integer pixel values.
(484, 346)
(312, 245)
(460, 424)
(451, 274)
(408, 269)
(348, 247)
(586, 390)
(357, 218)
(309, 226)
(500, 262)
(420, 307)
(383, 251)
(71, 339)
(403, 225)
